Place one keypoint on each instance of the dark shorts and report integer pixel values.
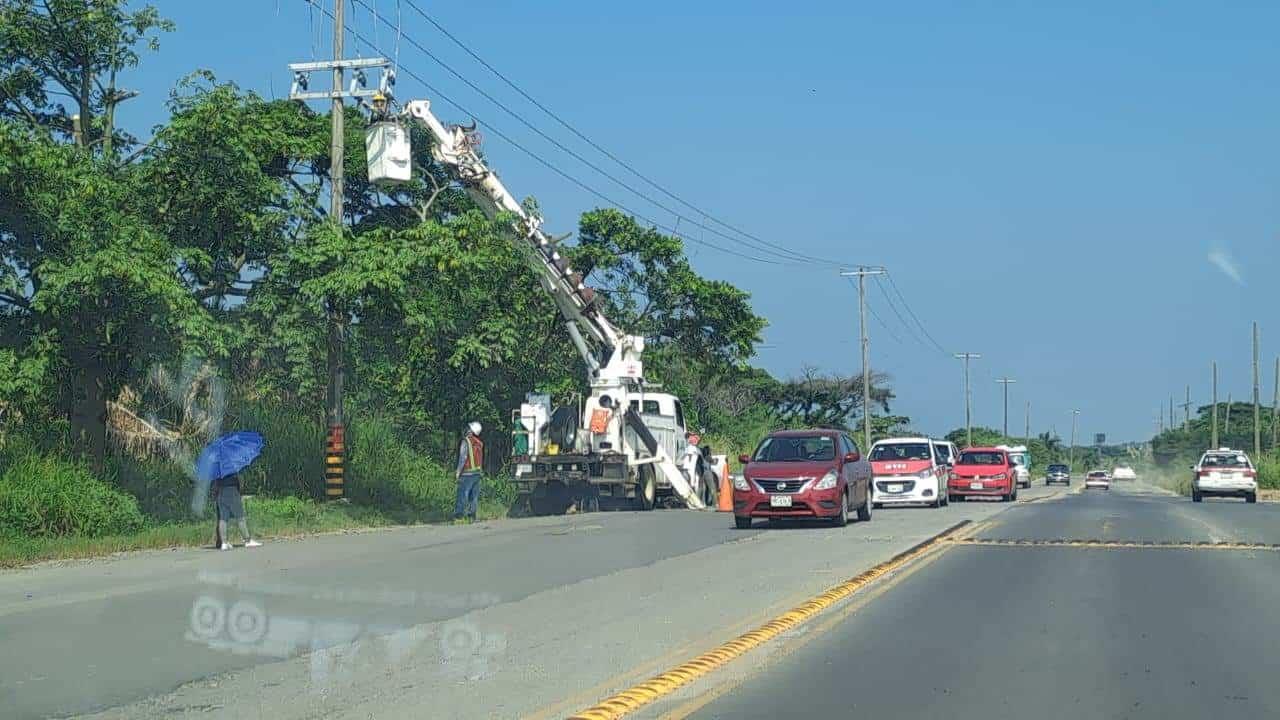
(230, 506)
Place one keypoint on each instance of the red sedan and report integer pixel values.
(983, 472)
(803, 474)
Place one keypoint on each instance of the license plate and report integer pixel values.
(780, 501)
(894, 488)
(975, 486)
(523, 469)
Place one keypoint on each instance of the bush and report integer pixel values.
(162, 488)
(387, 473)
(292, 461)
(47, 495)
(1269, 470)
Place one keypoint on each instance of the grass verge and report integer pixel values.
(268, 518)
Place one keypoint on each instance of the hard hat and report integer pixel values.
(474, 427)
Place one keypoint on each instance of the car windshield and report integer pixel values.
(796, 448)
(1225, 461)
(900, 451)
(981, 457)
(1057, 468)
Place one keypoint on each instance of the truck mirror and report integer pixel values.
(852, 457)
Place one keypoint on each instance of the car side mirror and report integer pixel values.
(852, 457)
(744, 459)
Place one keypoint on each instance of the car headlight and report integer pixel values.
(828, 481)
(740, 483)
(1001, 476)
(924, 474)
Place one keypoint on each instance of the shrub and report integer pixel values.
(292, 461)
(387, 473)
(47, 495)
(162, 488)
(1269, 470)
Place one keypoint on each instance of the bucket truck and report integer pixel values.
(620, 441)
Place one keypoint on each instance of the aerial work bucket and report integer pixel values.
(388, 153)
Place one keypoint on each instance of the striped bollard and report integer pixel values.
(333, 462)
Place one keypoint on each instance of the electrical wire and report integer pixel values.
(550, 166)
(583, 137)
(912, 313)
(871, 308)
(755, 245)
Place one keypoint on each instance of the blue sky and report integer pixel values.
(1046, 184)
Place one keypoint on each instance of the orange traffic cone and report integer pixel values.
(725, 501)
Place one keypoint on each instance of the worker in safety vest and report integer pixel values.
(468, 473)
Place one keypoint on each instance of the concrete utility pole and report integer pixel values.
(1006, 382)
(1026, 430)
(1186, 408)
(337, 317)
(862, 273)
(1226, 429)
(1257, 412)
(1071, 453)
(1172, 422)
(1213, 442)
(968, 415)
(1275, 408)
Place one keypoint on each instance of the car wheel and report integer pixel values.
(842, 518)
(646, 488)
(1251, 498)
(710, 489)
(864, 511)
(1195, 495)
(958, 498)
(742, 523)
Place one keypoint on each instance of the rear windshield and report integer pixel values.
(799, 448)
(1097, 474)
(1018, 458)
(901, 451)
(1057, 468)
(1230, 461)
(970, 457)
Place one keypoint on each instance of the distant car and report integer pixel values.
(983, 472)
(1123, 472)
(947, 452)
(1224, 472)
(1022, 463)
(1097, 479)
(803, 474)
(907, 471)
(1057, 473)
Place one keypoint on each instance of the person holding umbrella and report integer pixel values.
(219, 465)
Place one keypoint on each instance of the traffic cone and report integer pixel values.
(725, 503)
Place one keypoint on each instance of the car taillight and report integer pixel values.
(1251, 473)
(1203, 473)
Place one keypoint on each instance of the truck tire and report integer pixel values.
(710, 488)
(646, 488)
(553, 500)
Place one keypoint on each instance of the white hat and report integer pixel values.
(474, 427)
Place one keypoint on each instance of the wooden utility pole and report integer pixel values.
(1214, 434)
(1006, 382)
(1071, 453)
(968, 414)
(1186, 408)
(1226, 426)
(1275, 408)
(1172, 422)
(337, 317)
(1257, 412)
(1026, 430)
(862, 273)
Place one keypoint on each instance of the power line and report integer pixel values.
(550, 166)
(892, 306)
(883, 325)
(756, 245)
(910, 312)
(583, 137)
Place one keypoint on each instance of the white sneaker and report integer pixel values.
(225, 546)
(253, 543)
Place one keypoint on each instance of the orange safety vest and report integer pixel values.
(475, 455)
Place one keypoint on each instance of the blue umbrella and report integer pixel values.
(228, 455)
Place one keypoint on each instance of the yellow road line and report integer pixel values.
(634, 698)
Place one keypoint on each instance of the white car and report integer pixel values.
(907, 471)
(1097, 479)
(1224, 472)
(1123, 472)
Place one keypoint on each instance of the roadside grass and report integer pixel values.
(269, 518)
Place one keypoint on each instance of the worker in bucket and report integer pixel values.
(468, 473)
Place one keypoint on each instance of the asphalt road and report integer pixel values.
(534, 617)
(1051, 632)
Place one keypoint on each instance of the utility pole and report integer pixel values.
(1257, 413)
(1026, 430)
(1226, 429)
(968, 414)
(335, 450)
(1071, 452)
(1213, 442)
(862, 273)
(1186, 408)
(1275, 408)
(1172, 422)
(1006, 381)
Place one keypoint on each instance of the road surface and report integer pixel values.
(533, 618)
(1015, 631)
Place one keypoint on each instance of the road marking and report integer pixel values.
(1107, 544)
(634, 698)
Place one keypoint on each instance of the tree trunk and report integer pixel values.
(88, 416)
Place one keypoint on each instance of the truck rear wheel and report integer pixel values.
(646, 488)
(710, 488)
(553, 500)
